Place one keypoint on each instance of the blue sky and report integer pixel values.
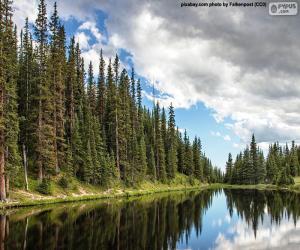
(228, 72)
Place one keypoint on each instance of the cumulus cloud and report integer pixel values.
(83, 39)
(284, 236)
(92, 27)
(240, 62)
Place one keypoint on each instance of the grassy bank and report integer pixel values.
(294, 188)
(78, 191)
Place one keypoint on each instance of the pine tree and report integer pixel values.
(188, 166)
(229, 169)
(253, 176)
(197, 158)
(25, 78)
(57, 67)
(261, 168)
(294, 163)
(2, 103)
(132, 85)
(171, 144)
(142, 158)
(44, 131)
(72, 93)
(151, 164)
(91, 89)
(9, 123)
(101, 95)
(111, 115)
(77, 151)
(180, 152)
(271, 168)
(159, 146)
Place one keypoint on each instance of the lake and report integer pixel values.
(208, 219)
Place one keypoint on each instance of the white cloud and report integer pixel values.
(92, 27)
(83, 40)
(283, 236)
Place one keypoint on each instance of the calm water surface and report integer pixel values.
(210, 219)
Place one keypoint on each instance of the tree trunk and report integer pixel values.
(25, 167)
(117, 144)
(2, 151)
(2, 177)
(39, 160)
(7, 185)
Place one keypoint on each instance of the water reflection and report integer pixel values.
(210, 219)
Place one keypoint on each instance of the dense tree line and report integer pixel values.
(57, 118)
(251, 167)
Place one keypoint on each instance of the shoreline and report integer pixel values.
(100, 196)
(126, 193)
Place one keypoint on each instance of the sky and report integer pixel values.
(229, 72)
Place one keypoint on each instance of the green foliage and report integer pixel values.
(63, 182)
(250, 167)
(44, 187)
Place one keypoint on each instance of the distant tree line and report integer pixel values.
(251, 167)
(56, 118)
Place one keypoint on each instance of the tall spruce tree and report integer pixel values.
(9, 123)
(229, 169)
(56, 68)
(44, 131)
(171, 144)
(101, 94)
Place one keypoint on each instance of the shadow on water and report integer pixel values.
(149, 222)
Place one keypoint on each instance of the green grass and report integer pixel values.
(78, 191)
(295, 187)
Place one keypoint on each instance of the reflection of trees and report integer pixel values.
(153, 223)
(251, 204)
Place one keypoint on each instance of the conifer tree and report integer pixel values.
(9, 123)
(253, 176)
(294, 163)
(70, 90)
(91, 89)
(25, 78)
(56, 68)
(44, 130)
(159, 146)
(197, 158)
(151, 164)
(229, 169)
(101, 94)
(171, 144)
(111, 115)
(188, 156)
